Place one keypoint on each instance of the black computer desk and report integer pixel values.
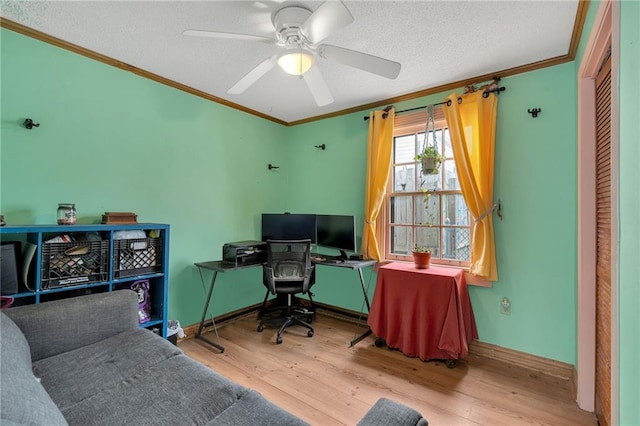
(221, 266)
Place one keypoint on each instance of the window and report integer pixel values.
(425, 210)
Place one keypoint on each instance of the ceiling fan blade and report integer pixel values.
(317, 86)
(230, 36)
(328, 18)
(253, 75)
(363, 61)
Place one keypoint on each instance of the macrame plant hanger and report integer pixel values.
(430, 156)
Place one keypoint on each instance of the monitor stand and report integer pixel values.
(343, 255)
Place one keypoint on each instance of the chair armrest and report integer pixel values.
(64, 325)
(390, 413)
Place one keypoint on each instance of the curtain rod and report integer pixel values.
(485, 94)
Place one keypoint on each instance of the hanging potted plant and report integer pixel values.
(421, 257)
(431, 160)
(430, 156)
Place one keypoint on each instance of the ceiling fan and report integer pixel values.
(298, 31)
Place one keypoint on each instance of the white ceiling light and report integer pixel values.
(295, 62)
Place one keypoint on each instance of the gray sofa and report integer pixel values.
(84, 361)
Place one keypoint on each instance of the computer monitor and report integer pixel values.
(288, 226)
(338, 232)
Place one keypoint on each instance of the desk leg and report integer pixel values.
(204, 314)
(366, 300)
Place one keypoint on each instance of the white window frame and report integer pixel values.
(414, 124)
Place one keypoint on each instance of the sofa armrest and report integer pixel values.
(67, 324)
(390, 413)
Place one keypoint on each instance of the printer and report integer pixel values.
(244, 253)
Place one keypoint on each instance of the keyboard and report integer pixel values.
(325, 258)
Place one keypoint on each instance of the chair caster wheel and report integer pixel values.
(450, 363)
(260, 328)
(278, 340)
(310, 333)
(379, 342)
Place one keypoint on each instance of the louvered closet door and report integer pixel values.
(603, 244)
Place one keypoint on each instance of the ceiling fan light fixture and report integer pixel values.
(295, 62)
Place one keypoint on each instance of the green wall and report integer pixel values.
(110, 140)
(535, 243)
(535, 179)
(629, 220)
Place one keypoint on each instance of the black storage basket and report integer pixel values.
(137, 256)
(74, 263)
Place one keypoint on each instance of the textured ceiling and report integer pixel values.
(437, 42)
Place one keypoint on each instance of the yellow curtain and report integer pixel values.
(472, 124)
(379, 149)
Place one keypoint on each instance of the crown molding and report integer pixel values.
(583, 6)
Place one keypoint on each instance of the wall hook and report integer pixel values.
(322, 147)
(534, 112)
(271, 166)
(29, 124)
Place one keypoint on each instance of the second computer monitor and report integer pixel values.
(336, 231)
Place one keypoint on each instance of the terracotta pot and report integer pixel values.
(421, 259)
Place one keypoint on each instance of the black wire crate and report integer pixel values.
(137, 256)
(74, 263)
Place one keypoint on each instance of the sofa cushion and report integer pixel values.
(386, 412)
(24, 399)
(135, 378)
(253, 409)
(73, 376)
(64, 325)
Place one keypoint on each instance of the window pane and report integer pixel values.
(430, 140)
(427, 209)
(454, 210)
(456, 244)
(404, 178)
(448, 150)
(401, 210)
(420, 143)
(450, 175)
(429, 238)
(430, 182)
(401, 239)
(438, 134)
(404, 149)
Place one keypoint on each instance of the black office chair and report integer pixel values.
(288, 271)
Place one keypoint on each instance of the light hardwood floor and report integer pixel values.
(324, 381)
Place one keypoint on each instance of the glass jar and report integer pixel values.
(66, 214)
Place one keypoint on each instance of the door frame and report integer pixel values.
(605, 32)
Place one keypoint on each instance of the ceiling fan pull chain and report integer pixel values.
(300, 61)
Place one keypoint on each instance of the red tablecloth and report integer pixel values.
(425, 313)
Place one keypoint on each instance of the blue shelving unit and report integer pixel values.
(121, 262)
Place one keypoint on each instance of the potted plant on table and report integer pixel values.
(421, 257)
(431, 160)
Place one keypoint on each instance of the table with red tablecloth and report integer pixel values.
(425, 313)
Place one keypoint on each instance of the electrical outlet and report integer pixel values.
(505, 306)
